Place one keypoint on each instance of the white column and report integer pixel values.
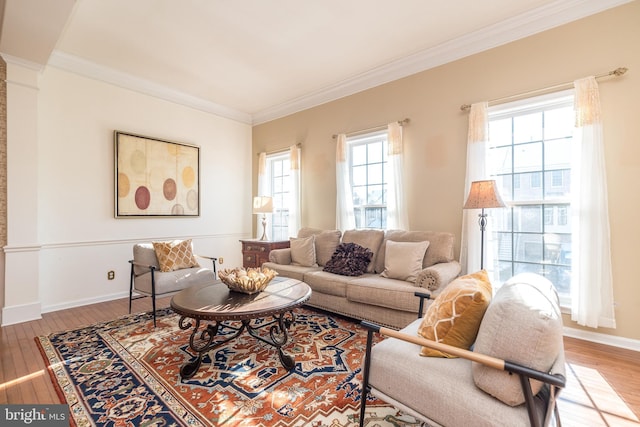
(22, 252)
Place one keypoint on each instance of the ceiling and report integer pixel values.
(256, 60)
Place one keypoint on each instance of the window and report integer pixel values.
(278, 173)
(368, 170)
(530, 158)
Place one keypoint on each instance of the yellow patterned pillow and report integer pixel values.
(175, 255)
(454, 316)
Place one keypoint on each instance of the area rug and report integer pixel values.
(127, 373)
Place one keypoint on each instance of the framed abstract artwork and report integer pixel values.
(155, 178)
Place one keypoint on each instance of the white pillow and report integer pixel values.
(403, 260)
(303, 251)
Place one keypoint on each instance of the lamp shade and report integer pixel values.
(484, 194)
(262, 204)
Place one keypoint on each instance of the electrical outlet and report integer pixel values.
(111, 274)
(221, 260)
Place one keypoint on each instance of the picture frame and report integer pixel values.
(155, 177)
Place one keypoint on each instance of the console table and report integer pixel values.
(256, 252)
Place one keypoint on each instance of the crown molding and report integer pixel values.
(83, 67)
(30, 65)
(535, 21)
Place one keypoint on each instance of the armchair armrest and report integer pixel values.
(280, 256)
(213, 260)
(554, 379)
(151, 268)
(438, 275)
(422, 296)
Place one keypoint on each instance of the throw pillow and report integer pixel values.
(403, 260)
(303, 251)
(175, 255)
(349, 259)
(454, 316)
(371, 239)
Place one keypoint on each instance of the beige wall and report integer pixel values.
(435, 140)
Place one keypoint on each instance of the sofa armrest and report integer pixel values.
(438, 275)
(280, 256)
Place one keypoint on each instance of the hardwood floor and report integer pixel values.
(603, 384)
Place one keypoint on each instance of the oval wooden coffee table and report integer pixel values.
(215, 303)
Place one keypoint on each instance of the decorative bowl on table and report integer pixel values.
(249, 281)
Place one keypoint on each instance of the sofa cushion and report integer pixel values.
(326, 242)
(523, 325)
(371, 239)
(440, 246)
(349, 259)
(455, 315)
(297, 272)
(327, 283)
(303, 251)
(403, 260)
(372, 289)
(175, 255)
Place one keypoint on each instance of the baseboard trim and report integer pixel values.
(612, 340)
(21, 313)
(83, 302)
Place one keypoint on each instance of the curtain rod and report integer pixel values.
(617, 72)
(282, 150)
(381, 127)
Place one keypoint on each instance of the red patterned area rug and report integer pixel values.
(127, 373)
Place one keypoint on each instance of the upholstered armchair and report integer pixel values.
(164, 268)
(511, 376)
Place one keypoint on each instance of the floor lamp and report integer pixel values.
(263, 205)
(483, 195)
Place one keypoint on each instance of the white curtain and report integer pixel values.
(477, 140)
(591, 282)
(345, 218)
(294, 190)
(263, 190)
(397, 217)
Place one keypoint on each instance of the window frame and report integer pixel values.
(278, 225)
(365, 211)
(549, 222)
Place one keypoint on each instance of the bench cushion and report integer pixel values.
(523, 325)
(173, 281)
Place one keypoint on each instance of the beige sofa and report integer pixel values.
(371, 296)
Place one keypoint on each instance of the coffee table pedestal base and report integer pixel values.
(203, 340)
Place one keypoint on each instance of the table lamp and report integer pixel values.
(482, 195)
(263, 205)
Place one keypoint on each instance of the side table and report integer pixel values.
(256, 252)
